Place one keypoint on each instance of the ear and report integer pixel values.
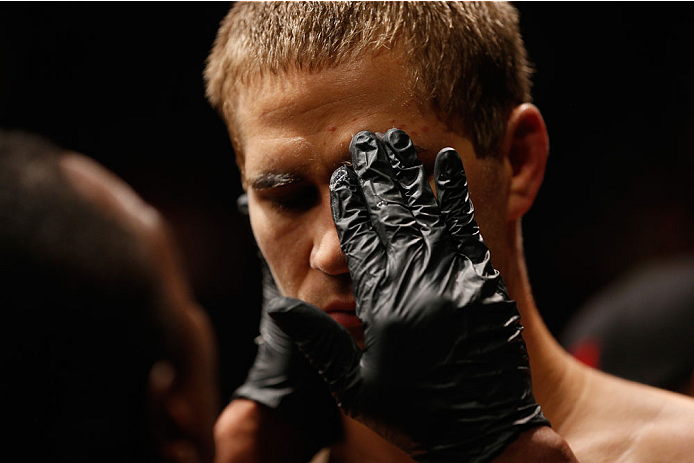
(169, 417)
(526, 146)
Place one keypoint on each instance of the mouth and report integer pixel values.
(343, 313)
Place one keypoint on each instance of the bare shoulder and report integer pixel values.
(619, 420)
(669, 434)
(540, 445)
(245, 428)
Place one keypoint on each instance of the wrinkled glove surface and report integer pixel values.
(444, 372)
(282, 380)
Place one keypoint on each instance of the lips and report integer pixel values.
(346, 319)
(344, 313)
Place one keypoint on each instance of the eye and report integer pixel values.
(294, 198)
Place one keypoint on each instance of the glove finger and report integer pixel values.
(413, 181)
(327, 345)
(391, 217)
(282, 379)
(280, 372)
(457, 209)
(358, 239)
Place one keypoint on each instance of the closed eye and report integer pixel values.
(292, 198)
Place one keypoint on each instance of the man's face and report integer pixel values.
(294, 131)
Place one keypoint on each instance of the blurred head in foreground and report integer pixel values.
(107, 357)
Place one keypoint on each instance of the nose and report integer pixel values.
(326, 255)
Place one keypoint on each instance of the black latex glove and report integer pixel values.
(444, 373)
(282, 379)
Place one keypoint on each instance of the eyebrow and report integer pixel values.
(272, 180)
(269, 180)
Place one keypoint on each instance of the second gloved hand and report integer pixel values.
(282, 380)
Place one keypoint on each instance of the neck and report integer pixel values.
(556, 375)
(362, 444)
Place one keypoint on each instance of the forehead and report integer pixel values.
(306, 119)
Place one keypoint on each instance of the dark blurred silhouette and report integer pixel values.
(105, 355)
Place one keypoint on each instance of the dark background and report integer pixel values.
(122, 83)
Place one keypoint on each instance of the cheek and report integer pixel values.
(285, 245)
(489, 195)
(486, 193)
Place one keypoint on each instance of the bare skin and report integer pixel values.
(294, 130)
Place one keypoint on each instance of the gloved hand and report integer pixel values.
(444, 372)
(282, 379)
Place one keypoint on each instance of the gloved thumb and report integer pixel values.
(327, 345)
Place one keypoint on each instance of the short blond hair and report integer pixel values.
(466, 58)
